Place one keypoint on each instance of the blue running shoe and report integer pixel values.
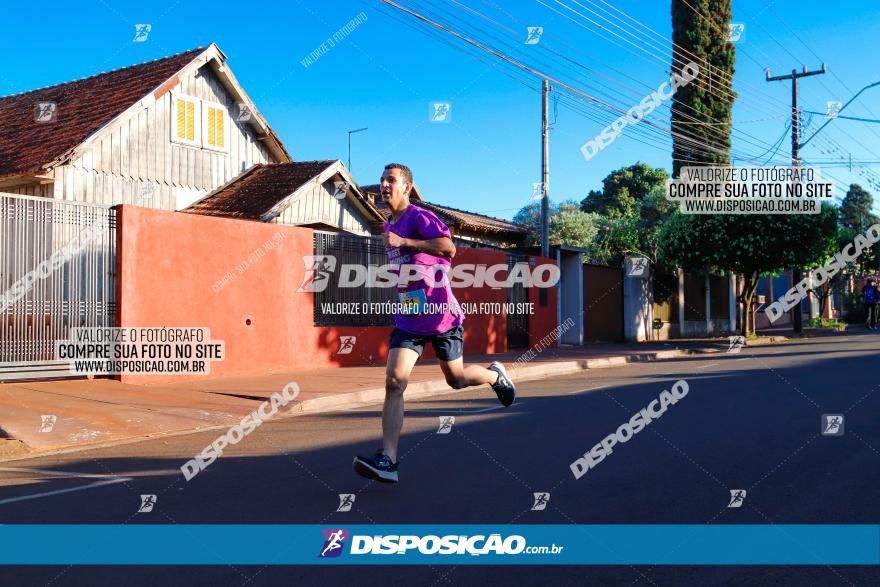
(379, 468)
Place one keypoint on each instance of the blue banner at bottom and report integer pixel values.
(223, 544)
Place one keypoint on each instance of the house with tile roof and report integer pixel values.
(180, 133)
(161, 134)
(159, 154)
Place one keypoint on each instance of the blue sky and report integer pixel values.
(385, 74)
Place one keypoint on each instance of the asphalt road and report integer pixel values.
(749, 421)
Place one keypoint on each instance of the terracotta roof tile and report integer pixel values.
(259, 189)
(83, 107)
(455, 217)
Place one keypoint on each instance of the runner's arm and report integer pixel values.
(439, 247)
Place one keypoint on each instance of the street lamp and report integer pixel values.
(351, 132)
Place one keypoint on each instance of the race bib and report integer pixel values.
(413, 301)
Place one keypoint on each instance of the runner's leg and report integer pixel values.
(400, 364)
(459, 376)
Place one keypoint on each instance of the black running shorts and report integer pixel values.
(448, 345)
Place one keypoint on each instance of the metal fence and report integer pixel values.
(355, 250)
(57, 271)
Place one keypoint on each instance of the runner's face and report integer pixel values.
(393, 187)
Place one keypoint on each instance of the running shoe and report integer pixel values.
(378, 467)
(504, 388)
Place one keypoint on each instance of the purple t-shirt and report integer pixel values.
(420, 224)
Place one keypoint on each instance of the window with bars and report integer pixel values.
(351, 250)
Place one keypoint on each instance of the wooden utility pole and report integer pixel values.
(797, 318)
(545, 182)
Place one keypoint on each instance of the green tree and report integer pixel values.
(701, 108)
(530, 217)
(624, 189)
(856, 209)
(568, 224)
(633, 207)
(750, 246)
(573, 227)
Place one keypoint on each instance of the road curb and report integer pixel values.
(415, 390)
(422, 389)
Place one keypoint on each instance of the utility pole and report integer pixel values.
(545, 172)
(545, 182)
(797, 317)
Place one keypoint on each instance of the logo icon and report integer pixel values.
(244, 112)
(334, 539)
(339, 190)
(147, 503)
(318, 270)
(446, 423)
(533, 34)
(832, 424)
(346, 345)
(146, 192)
(440, 112)
(541, 501)
(45, 112)
(141, 32)
(537, 190)
(832, 108)
(346, 500)
(736, 32)
(737, 497)
(637, 267)
(47, 423)
(736, 344)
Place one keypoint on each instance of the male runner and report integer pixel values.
(417, 239)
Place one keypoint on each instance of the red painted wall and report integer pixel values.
(167, 263)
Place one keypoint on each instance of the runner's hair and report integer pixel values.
(407, 172)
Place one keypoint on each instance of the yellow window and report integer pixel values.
(215, 124)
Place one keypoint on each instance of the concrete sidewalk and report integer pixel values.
(104, 411)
